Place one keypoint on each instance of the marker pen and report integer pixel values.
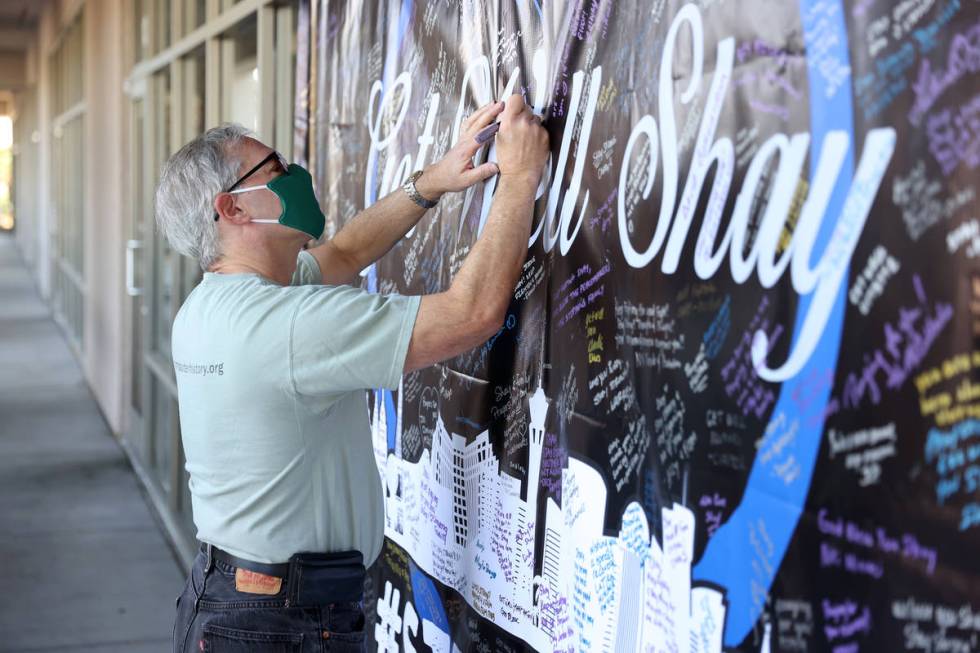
(487, 133)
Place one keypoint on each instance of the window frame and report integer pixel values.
(66, 61)
(275, 43)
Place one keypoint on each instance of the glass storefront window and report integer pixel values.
(67, 163)
(164, 411)
(164, 17)
(165, 295)
(193, 113)
(143, 28)
(194, 14)
(165, 259)
(217, 78)
(193, 100)
(184, 508)
(138, 233)
(240, 74)
(287, 21)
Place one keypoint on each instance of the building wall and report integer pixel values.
(48, 28)
(193, 70)
(26, 164)
(105, 180)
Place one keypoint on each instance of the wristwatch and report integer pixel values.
(413, 192)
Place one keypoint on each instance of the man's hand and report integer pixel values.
(522, 143)
(474, 307)
(455, 171)
(373, 231)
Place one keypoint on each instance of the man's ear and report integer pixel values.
(227, 208)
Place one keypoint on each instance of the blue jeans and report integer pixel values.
(317, 609)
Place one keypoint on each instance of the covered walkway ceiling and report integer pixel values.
(18, 27)
(18, 22)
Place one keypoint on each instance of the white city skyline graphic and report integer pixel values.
(465, 523)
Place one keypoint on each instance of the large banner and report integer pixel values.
(735, 403)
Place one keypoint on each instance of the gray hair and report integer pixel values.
(189, 182)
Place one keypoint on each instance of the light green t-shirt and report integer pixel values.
(273, 413)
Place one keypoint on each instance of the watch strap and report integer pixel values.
(413, 192)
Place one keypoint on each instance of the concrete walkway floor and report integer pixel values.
(83, 564)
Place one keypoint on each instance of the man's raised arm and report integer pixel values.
(376, 229)
(472, 310)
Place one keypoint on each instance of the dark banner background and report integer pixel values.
(628, 464)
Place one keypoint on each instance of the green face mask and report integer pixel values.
(300, 208)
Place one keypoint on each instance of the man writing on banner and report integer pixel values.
(272, 353)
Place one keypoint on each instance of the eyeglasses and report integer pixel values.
(273, 155)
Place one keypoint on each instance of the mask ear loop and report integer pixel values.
(231, 189)
(248, 188)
